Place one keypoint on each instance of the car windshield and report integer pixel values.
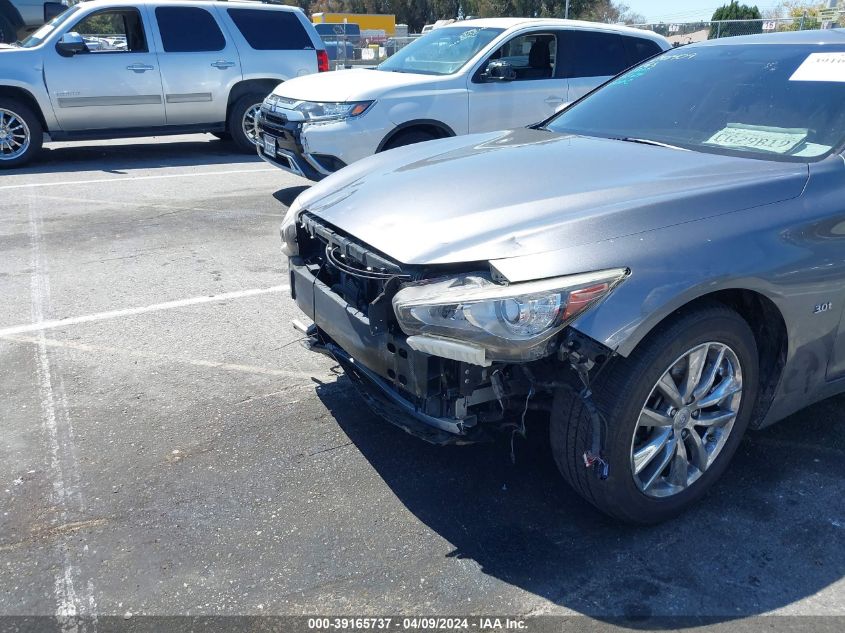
(443, 51)
(41, 34)
(772, 101)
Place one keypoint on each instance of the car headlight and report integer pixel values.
(510, 322)
(320, 111)
(287, 231)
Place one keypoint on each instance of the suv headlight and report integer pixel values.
(511, 322)
(323, 111)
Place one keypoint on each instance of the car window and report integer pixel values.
(442, 51)
(532, 56)
(594, 54)
(271, 30)
(766, 101)
(189, 30)
(113, 31)
(639, 49)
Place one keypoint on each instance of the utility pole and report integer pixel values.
(566, 11)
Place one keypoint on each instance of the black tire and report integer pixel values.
(621, 391)
(236, 118)
(36, 133)
(408, 138)
(223, 136)
(7, 31)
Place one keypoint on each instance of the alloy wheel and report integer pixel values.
(250, 122)
(15, 136)
(686, 420)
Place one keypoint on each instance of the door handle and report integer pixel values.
(140, 68)
(553, 100)
(222, 65)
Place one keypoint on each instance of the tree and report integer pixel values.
(736, 11)
(804, 14)
(607, 11)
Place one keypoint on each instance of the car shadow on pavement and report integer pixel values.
(134, 154)
(287, 195)
(769, 534)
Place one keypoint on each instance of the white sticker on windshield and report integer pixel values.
(778, 140)
(821, 67)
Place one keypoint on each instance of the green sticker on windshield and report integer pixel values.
(777, 140)
(643, 69)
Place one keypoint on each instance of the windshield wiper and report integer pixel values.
(648, 141)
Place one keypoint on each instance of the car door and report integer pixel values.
(115, 83)
(589, 58)
(534, 93)
(199, 64)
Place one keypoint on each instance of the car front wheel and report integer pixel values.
(7, 32)
(673, 414)
(21, 134)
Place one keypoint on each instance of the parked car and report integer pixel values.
(339, 40)
(472, 76)
(336, 31)
(660, 266)
(195, 66)
(19, 18)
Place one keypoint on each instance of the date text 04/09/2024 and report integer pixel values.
(427, 623)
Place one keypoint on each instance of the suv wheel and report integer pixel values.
(7, 31)
(21, 134)
(675, 412)
(243, 121)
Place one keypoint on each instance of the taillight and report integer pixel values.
(322, 61)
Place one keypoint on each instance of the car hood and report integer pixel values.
(349, 85)
(524, 192)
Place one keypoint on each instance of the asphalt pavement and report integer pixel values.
(170, 448)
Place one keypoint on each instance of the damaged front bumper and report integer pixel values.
(439, 400)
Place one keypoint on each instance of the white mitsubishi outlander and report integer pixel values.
(472, 76)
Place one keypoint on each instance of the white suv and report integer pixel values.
(472, 76)
(117, 68)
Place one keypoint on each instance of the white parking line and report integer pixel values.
(114, 314)
(293, 373)
(35, 185)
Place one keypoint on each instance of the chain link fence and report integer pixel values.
(349, 50)
(682, 33)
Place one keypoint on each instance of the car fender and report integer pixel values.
(24, 70)
(768, 250)
(445, 103)
(445, 130)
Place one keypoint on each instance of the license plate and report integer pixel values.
(269, 145)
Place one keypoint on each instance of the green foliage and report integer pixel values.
(102, 24)
(736, 11)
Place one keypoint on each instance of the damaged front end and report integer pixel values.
(449, 354)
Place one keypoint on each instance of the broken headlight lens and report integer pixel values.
(287, 231)
(511, 322)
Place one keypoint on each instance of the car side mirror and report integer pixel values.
(499, 70)
(52, 9)
(71, 44)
